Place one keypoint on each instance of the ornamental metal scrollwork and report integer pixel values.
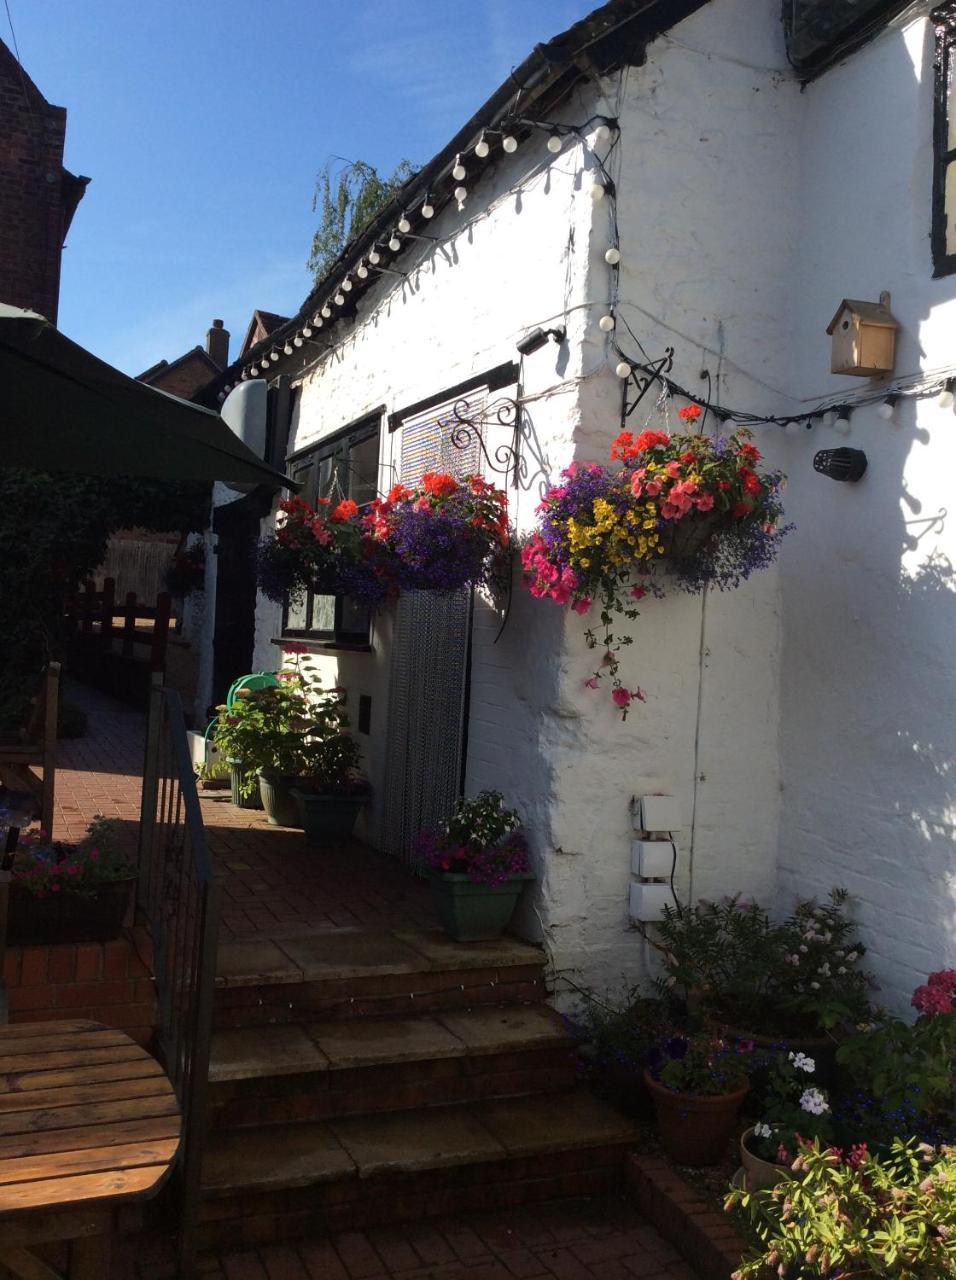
(468, 424)
(645, 375)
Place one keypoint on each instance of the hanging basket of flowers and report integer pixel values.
(445, 534)
(327, 549)
(684, 511)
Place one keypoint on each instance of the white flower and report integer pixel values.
(825, 970)
(802, 1062)
(804, 948)
(812, 1100)
(851, 956)
(814, 986)
(762, 1130)
(842, 969)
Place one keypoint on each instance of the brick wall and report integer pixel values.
(37, 195)
(109, 982)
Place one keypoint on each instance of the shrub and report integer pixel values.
(481, 839)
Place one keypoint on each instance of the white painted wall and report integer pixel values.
(809, 711)
(869, 620)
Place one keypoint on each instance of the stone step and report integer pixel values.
(312, 1071)
(307, 975)
(274, 1183)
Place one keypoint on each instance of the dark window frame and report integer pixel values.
(944, 156)
(305, 465)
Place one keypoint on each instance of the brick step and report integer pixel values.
(312, 1071)
(264, 1185)
(304, 976)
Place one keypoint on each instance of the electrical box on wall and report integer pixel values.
(863, 338)
(646, 902)
(657, 813)
(652, 859)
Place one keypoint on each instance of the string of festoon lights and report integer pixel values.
(595, 133)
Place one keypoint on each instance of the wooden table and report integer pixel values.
(88, 1121)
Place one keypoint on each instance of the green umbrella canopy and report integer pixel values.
(62, 409)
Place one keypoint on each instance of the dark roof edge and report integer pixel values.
(164, 366)
(614, 34)
(860, 34)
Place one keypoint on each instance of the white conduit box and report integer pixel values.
(647, 901)
(652, 859)
(657, 813)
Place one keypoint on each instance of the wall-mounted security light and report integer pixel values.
(538, 338)
(840, 464)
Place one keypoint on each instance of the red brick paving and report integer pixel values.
(270, 876)
(577, 1240)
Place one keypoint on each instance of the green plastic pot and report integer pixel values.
(470, 912)
(279, 801)
(327, 819)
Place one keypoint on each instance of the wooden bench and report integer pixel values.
(36, 745)
(88, 1122)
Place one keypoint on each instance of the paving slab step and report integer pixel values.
(313, 1071)
(273, 1183)
(302, 975)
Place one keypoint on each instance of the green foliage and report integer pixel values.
(902, 1066)
(733, 962)
(483, 822)
(702, 1064)
(296, 729)
(866, 1217)
(619, 1032)
(53, 534)
(347, 201)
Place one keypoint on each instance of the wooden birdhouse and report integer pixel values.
(864, 338)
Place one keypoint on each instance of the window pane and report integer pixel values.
(297, 615)
(950, 208)
(326, 471)
(323, 613)
(355, 615)
(303, 474)
(363, 470)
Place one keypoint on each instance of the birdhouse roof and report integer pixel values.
(869, 313)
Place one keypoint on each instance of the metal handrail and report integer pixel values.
(178, 897)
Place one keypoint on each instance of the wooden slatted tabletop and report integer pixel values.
(87, 1119)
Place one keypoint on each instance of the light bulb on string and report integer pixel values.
(394, 244)
(404, 225)
(888, 407)
(461, 194)
(254, 371)
(606, 323)
(287, 349)
(316, 320)
(362, 271)
(459, 171)
(275, 356)
(612, 256)
(509, 143)
(347, 285)
(297, 340)
(340, 299)
(947, 398)
(482, 148)
(374, 257)
(428, 209)
(603, 132)
(221, 396)
(307, 331)
(623, 369)
(554, 142)
(598, 191)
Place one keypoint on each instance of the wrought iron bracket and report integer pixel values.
(643, 376)
(468, 426)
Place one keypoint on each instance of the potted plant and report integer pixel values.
(70, 893)
(697, 1082)
(856, 1215)
(689, 505)
(795, 1110)
(615, 1036)
(796, 982)
(478, 864)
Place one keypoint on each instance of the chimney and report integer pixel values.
(217, 344)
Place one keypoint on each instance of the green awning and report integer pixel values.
(62, 409)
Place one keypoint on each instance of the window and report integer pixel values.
(342, 466)
(944, 145)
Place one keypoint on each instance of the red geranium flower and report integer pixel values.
(345, 510)
(690, 412)
(650, 440)
(438, 484)
(751, 452)
(741, 509)
(752, 483)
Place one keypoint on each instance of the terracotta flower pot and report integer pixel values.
(759, 1174)
(694, 1128)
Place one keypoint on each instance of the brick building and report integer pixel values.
(38, 196)
(190, 372)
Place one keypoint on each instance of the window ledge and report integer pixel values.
(322, 646)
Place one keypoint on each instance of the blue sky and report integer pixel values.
(203, 124)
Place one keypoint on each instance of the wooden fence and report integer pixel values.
(118, 646)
